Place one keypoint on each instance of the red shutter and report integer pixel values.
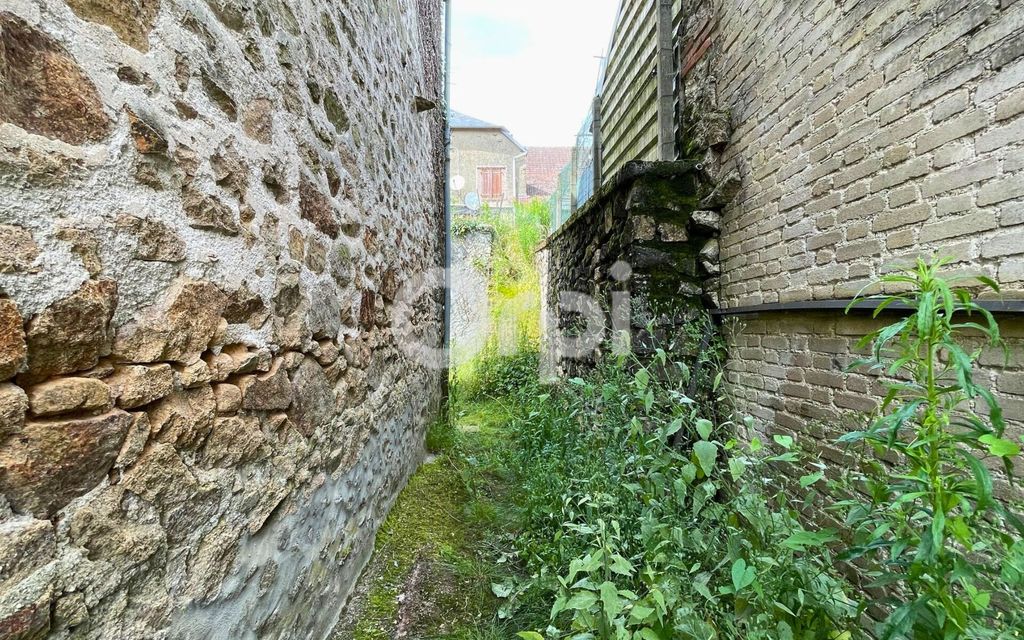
(497, 189)
(491, 183)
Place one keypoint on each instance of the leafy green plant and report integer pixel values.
(638, 512)
(502, 375)
(939, 542)
(627, 536)
(514, 296)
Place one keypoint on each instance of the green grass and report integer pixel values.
(421, 522)
(446, 541)
(443, 524)
(513, 289)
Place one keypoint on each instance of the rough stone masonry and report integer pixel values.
(206, 211)
(471, 263)
(651, 231)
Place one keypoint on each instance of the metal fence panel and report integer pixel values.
(583, 162)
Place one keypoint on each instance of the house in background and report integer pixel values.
(488, 165)
(543, 166)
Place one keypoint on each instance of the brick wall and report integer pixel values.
(870, 132)
(788, 371)
(866, 133)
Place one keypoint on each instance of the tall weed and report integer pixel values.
(944, 548)
(626, 536)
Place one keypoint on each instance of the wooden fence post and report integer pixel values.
(666, 82)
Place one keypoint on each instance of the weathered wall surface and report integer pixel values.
(866, 133)
(206, 209)
(884, 130)
(648, 232)
(473, 149)
(472, 250)
(788, 370)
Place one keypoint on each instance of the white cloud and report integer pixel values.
(530, 65)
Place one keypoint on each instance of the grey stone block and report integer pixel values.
(959, 177)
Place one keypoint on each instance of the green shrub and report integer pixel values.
(504, 375)
(627, 537)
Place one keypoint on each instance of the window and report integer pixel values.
(491, 182)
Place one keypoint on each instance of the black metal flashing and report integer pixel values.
(1007, 307)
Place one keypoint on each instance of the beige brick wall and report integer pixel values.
(789, 371)
(866, 133)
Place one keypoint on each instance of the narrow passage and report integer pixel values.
(438, 561)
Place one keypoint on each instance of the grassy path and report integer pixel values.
(436, 556)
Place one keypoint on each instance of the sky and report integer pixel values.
(529, 65)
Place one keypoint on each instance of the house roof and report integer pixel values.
(543, 165)
(462, 121)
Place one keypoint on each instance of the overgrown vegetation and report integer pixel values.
(626, 536)
(628, 506)
(631, 538)
(508, 358)
(948, 552)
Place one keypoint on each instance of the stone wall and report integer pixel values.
(206, 210)
(865, 134)
(651, 232)
(471, 309)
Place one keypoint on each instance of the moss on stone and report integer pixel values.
(421, 519)
(665, 200)
(464, 225)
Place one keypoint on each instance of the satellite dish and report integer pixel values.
(472, 201)
(458, 182)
